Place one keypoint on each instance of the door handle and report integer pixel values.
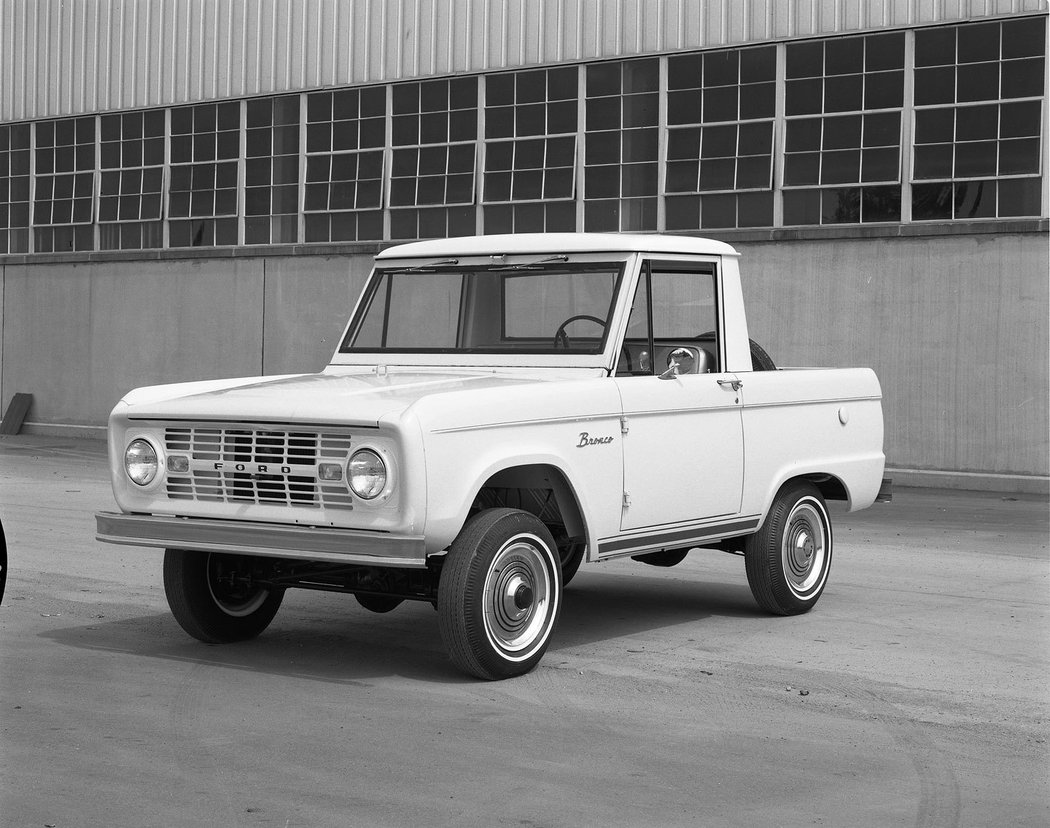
(734, 383)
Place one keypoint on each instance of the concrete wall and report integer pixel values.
(78, 336)
(955, 326)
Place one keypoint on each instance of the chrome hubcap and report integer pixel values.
(804, 549)
(518, 594)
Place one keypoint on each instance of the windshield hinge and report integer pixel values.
(624, 427)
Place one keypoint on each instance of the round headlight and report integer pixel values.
(366, 472)
(140, 462)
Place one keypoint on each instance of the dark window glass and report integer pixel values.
(840, 206)
(1017, 120)
(884, 90)
(721, 68)
(978, 82)
(1019, 156)
(840, 167)
(720, 104)
(840, 133)
(933, 161)
(684, 72)
(843, 93)
(975, 122)
(935, 47)
(978, 43)
(1020, 197)
(759, 64)
(1024, 38)
(718, 211)
(805, 60)
(683, 213)
(844, 56)
(755, 210)
(801, 207)
(603, 79)
(880, 165)
(1023, 78)
(804, 97)
(802, 168)
(935, 85)
(803, 134)
(934, 126)
(758, 100)
(975, 199)
(881, 204)
(975, 159)
(884, 51)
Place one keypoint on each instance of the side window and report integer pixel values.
(674, 307)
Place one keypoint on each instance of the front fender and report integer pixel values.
(460, 464)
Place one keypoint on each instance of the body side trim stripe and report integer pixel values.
(680, 536)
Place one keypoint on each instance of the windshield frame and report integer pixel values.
(594, 356)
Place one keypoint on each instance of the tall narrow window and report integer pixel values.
(530, 151)
(435, 130)
(345, 136)
(65, 172)
(202, 195)
(621, 168)
(132, 162)
(271, 171)
(843, 101)
(978, 120)
(14, 188)
(720, 108)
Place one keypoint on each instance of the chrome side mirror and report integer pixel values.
(679, 361)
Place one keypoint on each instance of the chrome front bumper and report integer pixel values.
(350, 546)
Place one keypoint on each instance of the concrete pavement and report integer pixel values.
(916, 693)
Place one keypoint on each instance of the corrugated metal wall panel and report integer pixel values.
(60, 57)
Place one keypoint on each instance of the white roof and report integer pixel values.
(554, 243)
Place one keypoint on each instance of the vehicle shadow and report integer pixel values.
(329, 638)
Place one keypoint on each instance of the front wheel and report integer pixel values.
(214, 596)
(788, 559)
(500, 594)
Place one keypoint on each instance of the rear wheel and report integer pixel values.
(500, 594)
(789, 558)
(215, 597)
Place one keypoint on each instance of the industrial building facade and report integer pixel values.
(194, 189)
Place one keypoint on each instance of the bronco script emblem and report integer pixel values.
(587, 440)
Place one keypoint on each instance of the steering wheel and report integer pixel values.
(561, 339)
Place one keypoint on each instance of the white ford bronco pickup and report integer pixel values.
(500, 410)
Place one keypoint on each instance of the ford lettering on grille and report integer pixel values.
(273, 467)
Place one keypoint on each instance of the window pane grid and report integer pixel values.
(64, 198)
(683, 142)
(131, 182)
(271, 171)
(531, 120)
(14, 188)
(203, 188)
(343, 188)
(621, 171)
(978, 120)
(434, 127)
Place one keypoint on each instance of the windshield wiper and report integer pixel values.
(427, 268)
(561, 257)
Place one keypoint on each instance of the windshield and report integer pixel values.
(535, 309)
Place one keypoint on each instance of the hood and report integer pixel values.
(353, 399)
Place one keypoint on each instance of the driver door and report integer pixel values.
(683, 446)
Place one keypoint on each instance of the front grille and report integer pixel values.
(235, 464)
